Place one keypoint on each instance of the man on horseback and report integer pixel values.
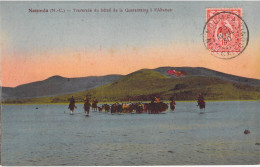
(86, 104)
(72, 105)
(172, 104)
(94, 104)
(201, 102)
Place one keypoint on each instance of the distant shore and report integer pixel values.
(167, 101)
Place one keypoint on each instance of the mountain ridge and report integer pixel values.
(58, 85)
(144, 84)
(202, 71)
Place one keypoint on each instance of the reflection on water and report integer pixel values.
(48, 136)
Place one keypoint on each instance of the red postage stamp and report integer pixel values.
(224, 32)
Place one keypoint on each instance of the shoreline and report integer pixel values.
(167, 101)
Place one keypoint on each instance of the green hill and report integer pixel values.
(142, 85)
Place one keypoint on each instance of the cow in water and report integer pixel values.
(106, 107)
(100, 109)
(119, 108)
(116, 108)
(139, 108)
(126, 108)
(113, 108)
(156, 108)
(129, 108)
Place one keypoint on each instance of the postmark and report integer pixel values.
(225, 33)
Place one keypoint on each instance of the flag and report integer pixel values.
(175, 73)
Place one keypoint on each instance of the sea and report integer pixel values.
(39, 135)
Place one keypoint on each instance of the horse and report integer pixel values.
(201, 104)
(72, 106)
(87, 107)
(94, 106)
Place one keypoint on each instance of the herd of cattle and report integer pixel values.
(152, 108)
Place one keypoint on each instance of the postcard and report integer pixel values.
(130, 83)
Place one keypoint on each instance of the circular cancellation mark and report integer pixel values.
(225, 33)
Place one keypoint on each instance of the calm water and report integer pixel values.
(47, 136)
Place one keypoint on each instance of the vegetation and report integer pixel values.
(144, 84)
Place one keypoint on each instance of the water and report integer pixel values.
(48, 136)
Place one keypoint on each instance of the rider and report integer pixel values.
(172, 104)
(95, 100)
(157, 99)
(72, 100)
(86, 99)
(200, 98)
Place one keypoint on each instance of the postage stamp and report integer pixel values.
(225, 33)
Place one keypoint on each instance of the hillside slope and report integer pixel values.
(144, 84)
(56, 85)
(200, 71)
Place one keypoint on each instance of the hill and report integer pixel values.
(56, 85)
(200, 71)
(142, 85)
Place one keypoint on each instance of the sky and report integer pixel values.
(35, 46)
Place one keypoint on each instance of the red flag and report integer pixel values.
(175, 73)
